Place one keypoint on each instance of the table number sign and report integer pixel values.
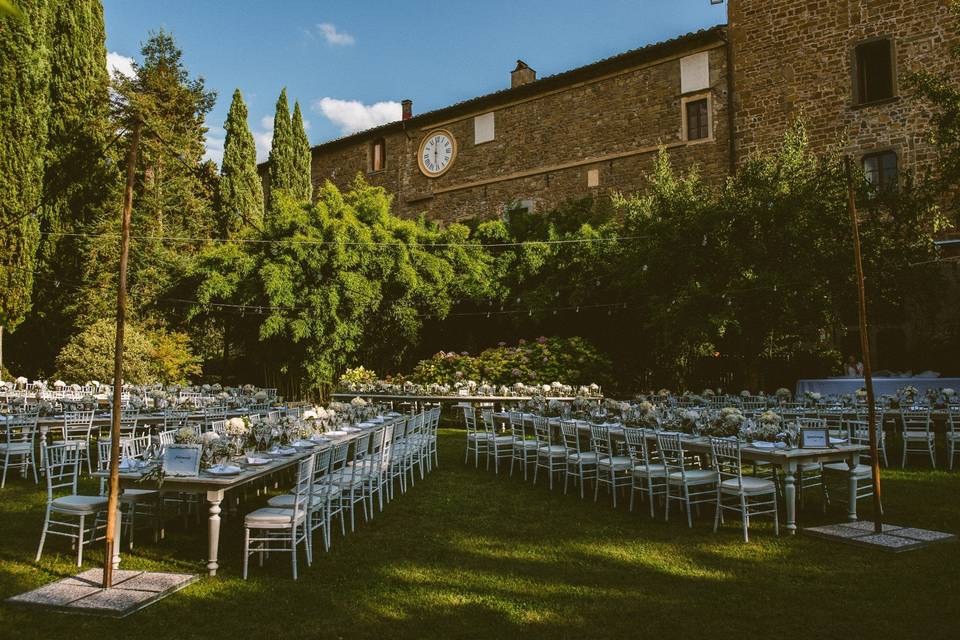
(182, 460)
(815, 438)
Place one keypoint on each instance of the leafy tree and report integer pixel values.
(282, 165)
(943, 96)
(149, 355)
(24, 111)
(302, 187)
(240, 188)
(79, 182)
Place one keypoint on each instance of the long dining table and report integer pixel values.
(787, 461)
(215, 487)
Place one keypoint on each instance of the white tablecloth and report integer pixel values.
(881, 386)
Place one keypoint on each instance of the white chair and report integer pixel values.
(918, 437)
(350, 479)
(752, 496)
(690, 487)
(18, 450)
(282, 529)
(649, 473)
(62, 466)
(133, 502)
(322, 495)
(859, 434)
(77, 426)
(613, 470)
(953, 434)
(552, 457)
(498, 446)
(524, 450)
(476, 440)
(582, 465)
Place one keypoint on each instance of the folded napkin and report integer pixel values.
(336, 433)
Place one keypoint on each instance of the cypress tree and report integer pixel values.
(303, 187)
(24, 109)
(79, 184)
(240, 190)
(281, 150)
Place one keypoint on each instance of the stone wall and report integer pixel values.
(796, 58)
(545, 145)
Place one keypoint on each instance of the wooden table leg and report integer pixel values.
(852, 463)
(213, 540)
(790, 496)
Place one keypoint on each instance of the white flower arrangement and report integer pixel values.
(237, 427)
(209, 437)
(186, 435)
(948, 392)
(358, 402)
(783, 393)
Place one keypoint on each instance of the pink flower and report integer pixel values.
(522, 341)
(542, 339)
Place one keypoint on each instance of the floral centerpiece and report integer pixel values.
(783, 394)
(727, 422)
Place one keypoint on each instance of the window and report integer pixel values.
(378, 155)
(880, 169)
(697, 119)
(874, 71)
(483, 128)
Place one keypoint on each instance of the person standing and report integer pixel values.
(854, 367)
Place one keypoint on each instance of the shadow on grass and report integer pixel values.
(466, 553)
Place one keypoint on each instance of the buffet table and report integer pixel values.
(881, 386)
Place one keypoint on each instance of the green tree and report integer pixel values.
(24, 111)
(282, 166)
(302, 188)
(240, 187)
(149, 355)
(79, 182)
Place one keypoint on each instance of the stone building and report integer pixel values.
(838, 63)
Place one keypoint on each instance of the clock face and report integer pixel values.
(437, 152)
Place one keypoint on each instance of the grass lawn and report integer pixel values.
(470, 554)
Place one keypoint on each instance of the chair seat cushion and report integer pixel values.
(617, 462)
(525, 444)
(587, 457)
(861, 471)
(918, 435)
(750, 486)
(79, 504)
(268, 517)
(16, 447)
(694, 476)
(503, 440)
(552, 451)
(657, 470)
(478, 436)
(288, 501)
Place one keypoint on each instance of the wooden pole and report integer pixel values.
(865, 349)
(114, 494)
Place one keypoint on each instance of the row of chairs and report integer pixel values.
(329, 483)
(651, 464)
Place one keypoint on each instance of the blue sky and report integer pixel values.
(351, 63)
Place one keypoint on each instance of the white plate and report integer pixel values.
(759, 444)
(336, 433)
(838, 440)
(258, 462)
(305, 444)
(228, 470)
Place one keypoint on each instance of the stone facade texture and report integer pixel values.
(789, 59)
(545, 143)
(797, 59)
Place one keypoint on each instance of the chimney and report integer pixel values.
(407, 109)
(522, 75)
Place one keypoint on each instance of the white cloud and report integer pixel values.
(352, 115)
(263, 138)
(121, 63)
(213, 146)
(334, 37)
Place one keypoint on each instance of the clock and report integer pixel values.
(437, 153)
